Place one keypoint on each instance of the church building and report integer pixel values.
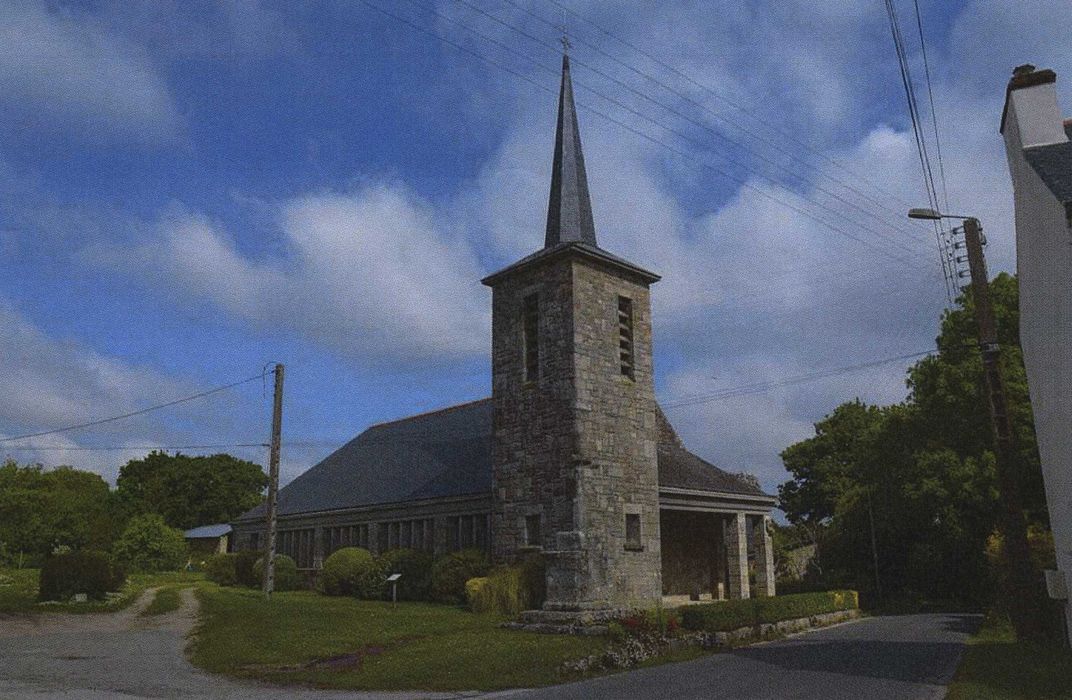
(571, 456)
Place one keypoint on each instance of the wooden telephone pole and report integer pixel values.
(273, 481)
(1024, 600)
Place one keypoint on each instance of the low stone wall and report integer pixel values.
(772, 629)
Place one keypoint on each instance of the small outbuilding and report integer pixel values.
(209, 539)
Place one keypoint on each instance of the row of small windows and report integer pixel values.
(462, 532)
(530, 337)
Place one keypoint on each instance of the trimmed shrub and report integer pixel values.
(90, 572)
(286, 573)
(474, 593)
(244, 562)
(416, 570)
(353, 571)
(734, 614)
(450, 572)
(148, 544)
(220, 568)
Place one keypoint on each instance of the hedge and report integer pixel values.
(220, 568)
(90, 572)
(734, 614)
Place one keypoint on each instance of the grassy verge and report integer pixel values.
(167, 599)
(21, 594)
(997, 667)
(305, 638)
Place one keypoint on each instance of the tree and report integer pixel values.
(148, 544)
(41, 510)
(190, 491)
(923, 471)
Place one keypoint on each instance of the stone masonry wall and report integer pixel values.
(577, 446)
(617, 439)
(534, 440)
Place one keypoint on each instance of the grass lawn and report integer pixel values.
(21, 594)
(997, 667)
(306, 638)
(167, 599)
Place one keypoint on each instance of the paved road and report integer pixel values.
(127, 656)
(882, 658)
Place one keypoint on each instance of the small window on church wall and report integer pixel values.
(530, 321)
(625, 335)
(632, 531)
(532, 530)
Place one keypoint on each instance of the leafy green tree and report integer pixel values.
(41, 510)
(148, 544)
(190, 491)
(904, 497)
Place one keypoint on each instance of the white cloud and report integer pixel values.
(63, 66)
(371, 275)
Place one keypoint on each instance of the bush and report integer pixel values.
(508, 590)
(148, 544)
(244, 563)
(221, 569)
(450, 572)
(286, 573)
(416, 570)
(353, 571)
(90, 572)
(734, 614)
(499, 593)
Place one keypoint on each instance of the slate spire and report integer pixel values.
(569, 211)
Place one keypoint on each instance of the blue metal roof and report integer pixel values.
(207, 531)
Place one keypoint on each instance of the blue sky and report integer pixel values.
(191, 190)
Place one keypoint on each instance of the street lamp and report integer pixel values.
(1023, 604)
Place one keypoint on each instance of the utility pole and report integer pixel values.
(1023, 598)
(273, 481)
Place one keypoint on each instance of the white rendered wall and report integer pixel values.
(1044, 265)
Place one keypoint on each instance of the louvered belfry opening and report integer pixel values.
(625, 335)
(531, 322)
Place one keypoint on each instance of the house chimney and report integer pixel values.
(1031, 108)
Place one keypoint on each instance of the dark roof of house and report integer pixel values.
(448, 453)
(207, 531)
(1053, 163)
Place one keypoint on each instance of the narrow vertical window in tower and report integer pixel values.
(530, 320)
(625, 335)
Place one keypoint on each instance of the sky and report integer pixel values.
(192, 190)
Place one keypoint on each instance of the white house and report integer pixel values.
(1039, 150)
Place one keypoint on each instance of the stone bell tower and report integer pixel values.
(575, 438)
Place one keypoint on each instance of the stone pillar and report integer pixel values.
(764, 557)
(737, 555)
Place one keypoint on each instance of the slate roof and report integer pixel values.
(569, 208)
(448, 453)
(207, 531)
(1053, 163)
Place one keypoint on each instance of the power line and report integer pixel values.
(671, 149)
(143, 411)
(921, 143)
(721, 117)
(696, 123)
(717, 95)
(760, 387)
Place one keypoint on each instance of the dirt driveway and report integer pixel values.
(124, 655)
